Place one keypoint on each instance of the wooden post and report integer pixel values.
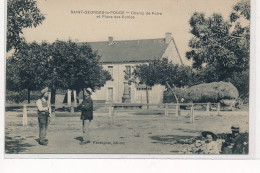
(207, 109)
(75, 98)
(166, 110)
(110, 110)
(177, 110)
(147, 97)
(218, 109)
(69, 98)
(24, 115)
(111, 113)
(192, 113)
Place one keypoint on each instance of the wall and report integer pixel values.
(117, 84)
(137, 96)
(171, 53)
(155, 95)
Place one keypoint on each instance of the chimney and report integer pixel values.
(168, 37)
(110, 40)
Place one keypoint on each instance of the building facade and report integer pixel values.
(120, 57)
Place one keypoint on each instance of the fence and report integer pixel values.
(209, 107)
(166, 107)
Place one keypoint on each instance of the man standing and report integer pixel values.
(43, 116)
(86, 108)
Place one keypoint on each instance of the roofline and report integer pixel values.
(118, 62)
(177, 50)
(120, 40)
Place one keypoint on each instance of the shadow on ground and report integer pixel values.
(15, 146)
(79, 138)
(168, 138)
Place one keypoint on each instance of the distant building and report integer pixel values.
(120, 56)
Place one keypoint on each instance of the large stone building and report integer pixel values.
(120, 56)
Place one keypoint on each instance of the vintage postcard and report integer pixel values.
(139, 78)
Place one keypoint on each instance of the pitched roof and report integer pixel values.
(130, 50)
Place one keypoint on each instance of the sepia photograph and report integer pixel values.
(128, 77)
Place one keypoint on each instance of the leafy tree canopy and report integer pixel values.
(212, 43)
(21, 14)
(61, 65)
(160, 71)
(220, 49)
(242, 8)
(27, 67)
(77, 66)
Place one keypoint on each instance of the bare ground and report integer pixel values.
(130, 133)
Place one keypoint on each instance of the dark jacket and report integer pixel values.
(236, 144)
(86, 108)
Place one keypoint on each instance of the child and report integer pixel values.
(210, 146)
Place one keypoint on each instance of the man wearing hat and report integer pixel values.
(86, 108)
(241, 141)
(43, 116)
(235, 142)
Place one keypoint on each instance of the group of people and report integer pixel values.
(234, 143)
(44, 115)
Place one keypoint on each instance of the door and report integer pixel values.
(110, 94)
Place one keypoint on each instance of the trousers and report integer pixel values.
(43, 126)
(86, 130)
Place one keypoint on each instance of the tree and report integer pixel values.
(242, 8)
(241, 81)
(163, 72)
(21, 14)
(76, 66)
(220, 47)
(27, 67)
(61, 65)
(144, 73)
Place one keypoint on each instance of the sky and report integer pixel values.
(62, 24)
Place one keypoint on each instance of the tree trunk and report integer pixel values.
(53, 96)
(29, 96)
(147, 97)
(83, 94)
(172, 92)
(75, 98)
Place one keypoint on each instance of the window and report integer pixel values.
(128, 69)
(110, 69)
(142, 87)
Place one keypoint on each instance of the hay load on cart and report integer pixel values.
(228, 104)
(224, 93)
